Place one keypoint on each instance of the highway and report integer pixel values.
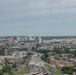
(36, 66)
(53, 70)
(52, 67)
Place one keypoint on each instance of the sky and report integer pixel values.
(34, 17)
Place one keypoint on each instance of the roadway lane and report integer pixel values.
(53, 70)
(38, 65)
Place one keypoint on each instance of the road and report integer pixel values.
(23, 66)
(51, 66)
(36, 66)
(53, 70)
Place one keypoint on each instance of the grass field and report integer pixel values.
(48, 67)
(58, 72)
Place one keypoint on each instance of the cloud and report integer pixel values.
(30, 17)
(37, 10)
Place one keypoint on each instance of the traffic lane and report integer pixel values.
(53, 70)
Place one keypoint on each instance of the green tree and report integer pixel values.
(6, 69)
(11, 73)
(14, 65)
(68, 70)
(1, 72)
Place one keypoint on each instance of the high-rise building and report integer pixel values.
(3, 51)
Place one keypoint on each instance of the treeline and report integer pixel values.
(43, 51)
(64, 51)
(68, 70)
(44, 57)
(61, 51)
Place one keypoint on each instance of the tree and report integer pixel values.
(1, 72)
(6, 62)
(33, 49)
(14, 65)
(11, 73)
(45, 58)
(68, 70)
(6, 69)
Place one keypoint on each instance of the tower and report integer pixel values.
(40, 40)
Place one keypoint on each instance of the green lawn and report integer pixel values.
(58, 72)
(48, 67)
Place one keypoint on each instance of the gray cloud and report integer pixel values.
(16, 11)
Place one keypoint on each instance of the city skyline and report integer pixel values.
(34, 17)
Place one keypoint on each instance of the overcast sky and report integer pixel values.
(34, 17)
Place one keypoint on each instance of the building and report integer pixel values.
(40, 40)
(1, 52)
(5, 51)
(60, 63)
